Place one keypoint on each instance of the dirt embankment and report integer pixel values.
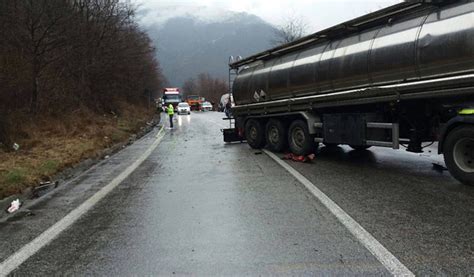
(48, 145)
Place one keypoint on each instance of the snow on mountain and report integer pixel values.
(200, 14)
(195, 39)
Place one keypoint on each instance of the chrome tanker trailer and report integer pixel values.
(403, 75)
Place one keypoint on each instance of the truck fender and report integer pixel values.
(450, 125)
(310, 120)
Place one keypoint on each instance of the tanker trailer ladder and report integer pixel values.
(233, 72)
(232, 134)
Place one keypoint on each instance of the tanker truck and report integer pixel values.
(400, 76)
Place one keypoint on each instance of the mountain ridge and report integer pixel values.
(187, 45)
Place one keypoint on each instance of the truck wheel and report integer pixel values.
(299, 140)
(276, 135)
(360, 147)
(254, 134)
(458, 151)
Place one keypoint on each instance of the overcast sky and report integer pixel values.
(317, 14)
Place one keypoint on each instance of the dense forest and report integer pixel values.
(59, 56)
(76, 77)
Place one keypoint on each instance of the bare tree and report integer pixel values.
(37, 28)
(206, 86)
(294, 27)
(58, 56)
(189, 88)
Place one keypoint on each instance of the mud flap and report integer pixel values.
(232, 135)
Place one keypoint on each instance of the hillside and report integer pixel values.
(188, 45)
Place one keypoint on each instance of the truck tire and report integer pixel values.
(254, 134)
(360, 147)
(299, 140)
(276, 135)
(458, 151)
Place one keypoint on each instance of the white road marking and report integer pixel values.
(391, 263)
(28, 250)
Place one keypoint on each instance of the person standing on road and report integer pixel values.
(170, 114)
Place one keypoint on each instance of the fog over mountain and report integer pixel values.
(193, 39)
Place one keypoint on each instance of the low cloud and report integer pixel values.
(318, 14)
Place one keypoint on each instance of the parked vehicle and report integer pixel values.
(403, 75)
(171, 96)
(206, 106)
(195, 101)
(184, 108)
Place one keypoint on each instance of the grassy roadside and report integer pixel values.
(49, 145)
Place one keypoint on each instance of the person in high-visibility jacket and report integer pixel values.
(171, 113)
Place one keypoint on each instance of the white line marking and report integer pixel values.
(28, 250)
(391, 263)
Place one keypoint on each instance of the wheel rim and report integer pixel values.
(273, 135)
(253, 133)
(464, 154)
(298, 137)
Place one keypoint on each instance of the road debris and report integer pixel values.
(14, 206)
(258, 153)
(296, 158)
(43, 188)
(16, 146)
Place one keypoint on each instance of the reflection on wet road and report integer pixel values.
(201, 207)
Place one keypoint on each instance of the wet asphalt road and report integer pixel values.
(198, 206)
